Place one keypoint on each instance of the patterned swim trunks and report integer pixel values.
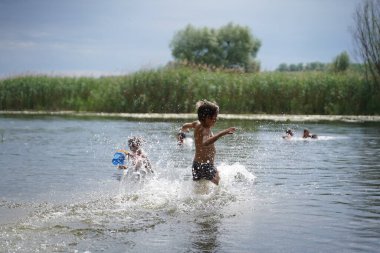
(203, 170)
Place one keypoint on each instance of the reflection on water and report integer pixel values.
(60, 192)
(205, 234)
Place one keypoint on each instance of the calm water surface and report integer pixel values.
(59, 191)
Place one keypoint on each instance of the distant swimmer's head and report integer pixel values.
(306, 133)
(181, 136)
(135, 142)
(289, 132)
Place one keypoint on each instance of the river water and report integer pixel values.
(59, 191)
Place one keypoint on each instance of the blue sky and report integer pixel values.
(96, 37)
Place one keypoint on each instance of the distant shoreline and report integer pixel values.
(164, 116)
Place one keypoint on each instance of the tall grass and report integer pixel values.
(176, 90)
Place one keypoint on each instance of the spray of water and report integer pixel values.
(137, 203)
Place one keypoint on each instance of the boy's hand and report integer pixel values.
(230, 130)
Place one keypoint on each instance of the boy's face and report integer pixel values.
(210, 121)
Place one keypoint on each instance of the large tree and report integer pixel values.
(231, 46)
(366, 34)
(341, 62)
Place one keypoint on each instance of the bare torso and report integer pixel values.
(203, 153)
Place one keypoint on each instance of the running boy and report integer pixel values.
(203, 164)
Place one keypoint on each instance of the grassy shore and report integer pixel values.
(176, 90)
(193, 116)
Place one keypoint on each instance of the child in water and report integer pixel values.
(203, 163)
(288, 134)
(137, 156)
(307, 134)
(181, 138)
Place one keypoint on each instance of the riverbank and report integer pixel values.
(176, 90)
(182, 116)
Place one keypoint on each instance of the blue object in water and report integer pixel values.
(118, 158)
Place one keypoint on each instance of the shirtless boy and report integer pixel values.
(203, 164)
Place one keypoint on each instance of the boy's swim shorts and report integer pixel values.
(203, 170)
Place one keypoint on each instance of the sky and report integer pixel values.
(107, 37)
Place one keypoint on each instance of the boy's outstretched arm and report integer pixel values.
(185, 127)
(215, 137)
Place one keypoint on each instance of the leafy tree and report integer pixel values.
(283, 67)
(315, 66)
(300, 67)
(366, 34)
(231, 46)
(293, 67)
(238, 46)
(198, 46)
(312, 66)
(341, 62)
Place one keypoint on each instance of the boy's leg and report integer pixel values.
(216, 178)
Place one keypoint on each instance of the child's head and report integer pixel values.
(181, 136)
(290, 132)
(135, 143)
(206, 109)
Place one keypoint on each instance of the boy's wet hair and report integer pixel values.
(135, 141)
(206, 109)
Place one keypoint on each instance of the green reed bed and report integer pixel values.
(176, 90)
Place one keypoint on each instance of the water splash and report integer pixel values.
(133, 206)
(188, 142)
